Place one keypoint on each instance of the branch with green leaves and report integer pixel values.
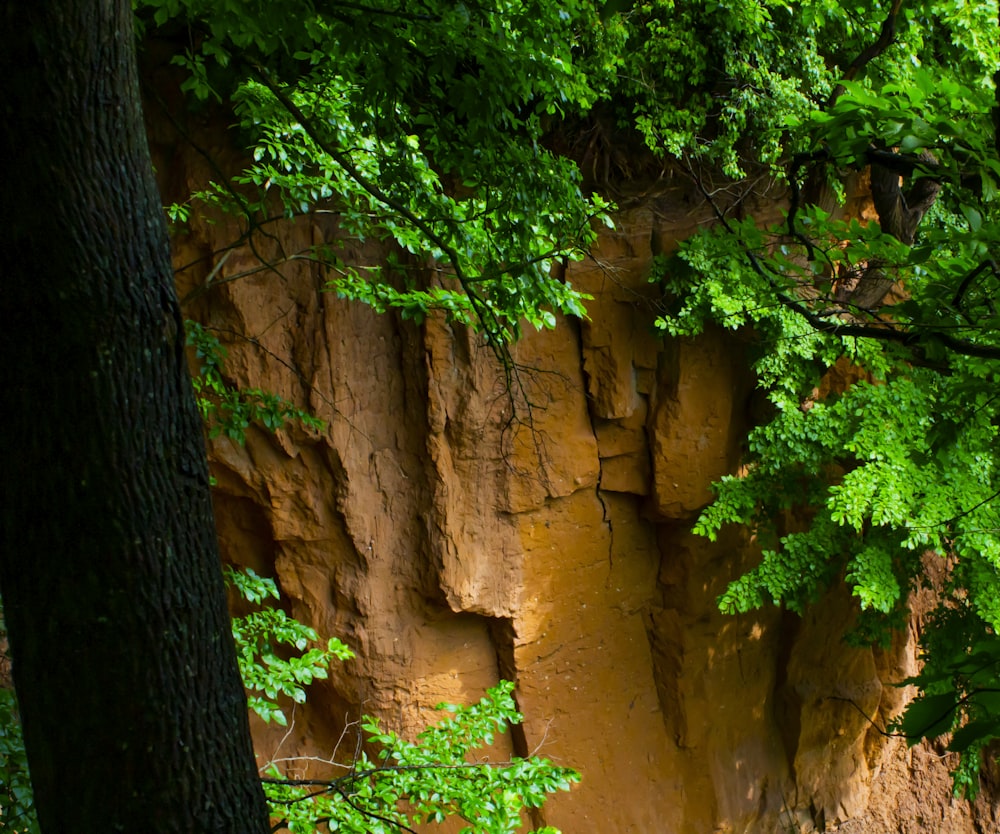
(228, 409)
(426, 130)
(444, 773)
(899, 460)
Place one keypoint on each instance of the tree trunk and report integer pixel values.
(134, 715)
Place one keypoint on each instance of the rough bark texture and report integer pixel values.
(899, 214)
(133, 713)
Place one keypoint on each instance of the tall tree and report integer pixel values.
(134, 715)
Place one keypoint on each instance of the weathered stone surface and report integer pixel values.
(454, 529)
(695, 425)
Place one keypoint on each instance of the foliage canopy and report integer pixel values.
(903, 460)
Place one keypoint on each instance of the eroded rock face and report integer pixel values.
(455, 530)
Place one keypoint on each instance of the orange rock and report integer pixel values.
(453, 530)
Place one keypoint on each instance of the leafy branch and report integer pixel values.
(409, 784)
(227, 409)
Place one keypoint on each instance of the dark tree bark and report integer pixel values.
(899, 214)
(134, 715)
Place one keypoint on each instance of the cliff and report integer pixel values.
(459, 522)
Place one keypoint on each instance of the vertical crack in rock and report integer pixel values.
(605, 514)
(787, 702)
(504, 638)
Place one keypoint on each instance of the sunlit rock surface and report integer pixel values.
(457, 523)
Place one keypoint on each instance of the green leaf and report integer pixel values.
(974, 733)
(928, 716)
(973, 216)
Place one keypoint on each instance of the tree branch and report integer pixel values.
(886, 38)
(886, 332)
(487, 317)
(968, 279)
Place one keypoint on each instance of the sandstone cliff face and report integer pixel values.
(454, 529)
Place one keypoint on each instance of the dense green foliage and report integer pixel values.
(420, 124)
(904, 461)
(17, 812)
(724, 81)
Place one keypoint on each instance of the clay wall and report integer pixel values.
(456, 524)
